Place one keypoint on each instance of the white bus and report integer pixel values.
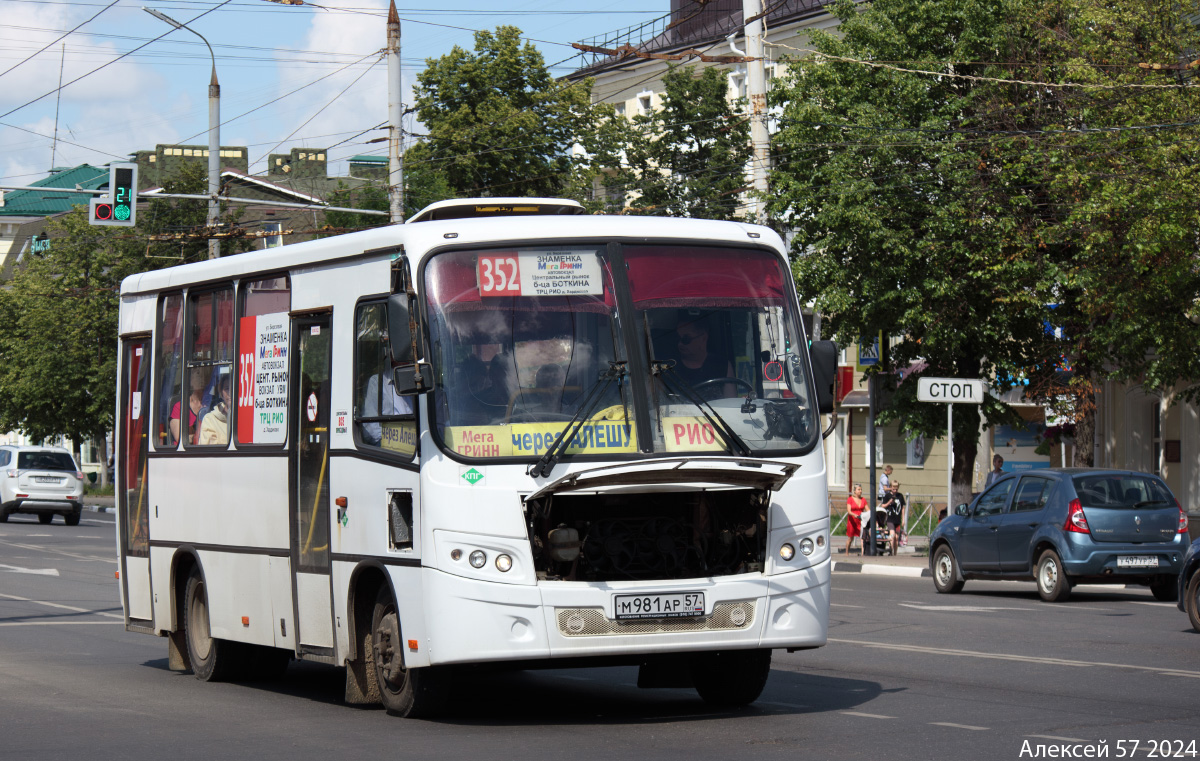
(504, 432)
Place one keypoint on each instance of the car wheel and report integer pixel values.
(403, 691)
(1192, 602)
(1165, 588)
(3, 515)
(945, 571)
(731, 678)
(45, 518)
(71, 519)
(213, 660)
(1052, 582)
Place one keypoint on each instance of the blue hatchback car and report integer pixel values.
(1059, 527)
(1189, 585)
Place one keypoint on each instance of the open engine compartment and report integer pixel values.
(648, 535)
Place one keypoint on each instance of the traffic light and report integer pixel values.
(119, 207)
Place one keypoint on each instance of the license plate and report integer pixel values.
(677, 605)
(47, 480)
(1137, 561)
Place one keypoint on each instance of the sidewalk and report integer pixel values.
(912, 561)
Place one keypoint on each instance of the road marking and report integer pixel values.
(33, 571)
(59, 552)
(1060, 739)
(958, 608)
(867, 715)
(49, 604)
(34, 536)
(956, 726)
(64, 623)
(782, 705)
(1022, 658)
(1156, 604)
(842, 605)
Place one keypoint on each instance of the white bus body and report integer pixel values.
(276, 500)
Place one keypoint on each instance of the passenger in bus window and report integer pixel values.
(392, 404)
(695, 363)
(499, 390)
(214, 428)
(195, 402)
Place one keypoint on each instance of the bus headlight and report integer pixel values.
(806, 546)
(787, 552)
(503, 563)
(477, 558)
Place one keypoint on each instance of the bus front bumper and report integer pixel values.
(479, 621)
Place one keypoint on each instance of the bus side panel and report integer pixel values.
(137, 313)
(160, 578)
(137, 578)
(281, 602)
(238, 596)
(221, 501)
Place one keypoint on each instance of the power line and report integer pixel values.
(65, 34)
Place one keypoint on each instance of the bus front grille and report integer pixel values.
(591, 622)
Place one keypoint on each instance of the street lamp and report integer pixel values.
(214, 133)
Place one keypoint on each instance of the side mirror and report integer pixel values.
(824, 364)
(400, 333)
(405, 379)
(962, 510)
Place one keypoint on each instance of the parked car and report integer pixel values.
(1061, 527)
(1189, 585)
(44, 481)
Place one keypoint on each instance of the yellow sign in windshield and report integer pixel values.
(603, 433)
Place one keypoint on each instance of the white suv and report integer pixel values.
(44, 481)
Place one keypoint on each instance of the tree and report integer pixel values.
(894, 231)
(423, 185)
(499, 124)
(688, 158)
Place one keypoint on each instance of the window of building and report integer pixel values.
(620, 109)
(209, 371)
(878, 450)
(382, 418)
(738, 84)
(273, 241)
(916, 453)
(170, 376)
(644, 103)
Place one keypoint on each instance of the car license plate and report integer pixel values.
(47, 480)
(677, 605)
(1137, 561)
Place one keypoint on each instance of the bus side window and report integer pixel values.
(208, 405)
(382, 417)
(170, 356)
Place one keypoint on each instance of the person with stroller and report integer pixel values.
(855, 504)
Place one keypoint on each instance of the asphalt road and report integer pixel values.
(907, 674)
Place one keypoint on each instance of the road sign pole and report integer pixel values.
(950, 461)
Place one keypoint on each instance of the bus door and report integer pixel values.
(309, 487)
(133, 499)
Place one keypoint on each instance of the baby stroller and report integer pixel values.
(882, 546)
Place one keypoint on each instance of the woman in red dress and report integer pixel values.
(855, 504)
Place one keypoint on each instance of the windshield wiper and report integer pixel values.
(615, 372)
(665, 369)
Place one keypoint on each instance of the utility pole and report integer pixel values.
(756, 89)
(395, 115)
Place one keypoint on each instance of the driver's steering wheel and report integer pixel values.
(713, 381)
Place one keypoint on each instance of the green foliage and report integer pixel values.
(371, 196)
(499, 124)
(688, 158)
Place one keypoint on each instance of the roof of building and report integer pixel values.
(368, 159)
(40, 203)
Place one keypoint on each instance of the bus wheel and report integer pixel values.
(403, 691)
(731, 678)
(212, 659)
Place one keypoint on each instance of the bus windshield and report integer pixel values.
(522, 336)
(725, 349)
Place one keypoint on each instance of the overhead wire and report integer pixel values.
(59, 39)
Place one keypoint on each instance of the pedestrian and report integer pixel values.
(895, 515)
(855, 504)
(884, 482)
(995, 473)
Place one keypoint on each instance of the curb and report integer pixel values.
(100, 509)
(882, 570)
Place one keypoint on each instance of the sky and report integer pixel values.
(291, 75)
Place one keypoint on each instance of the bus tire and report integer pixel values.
(406, 692)
(731, 678)
(213, 660)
